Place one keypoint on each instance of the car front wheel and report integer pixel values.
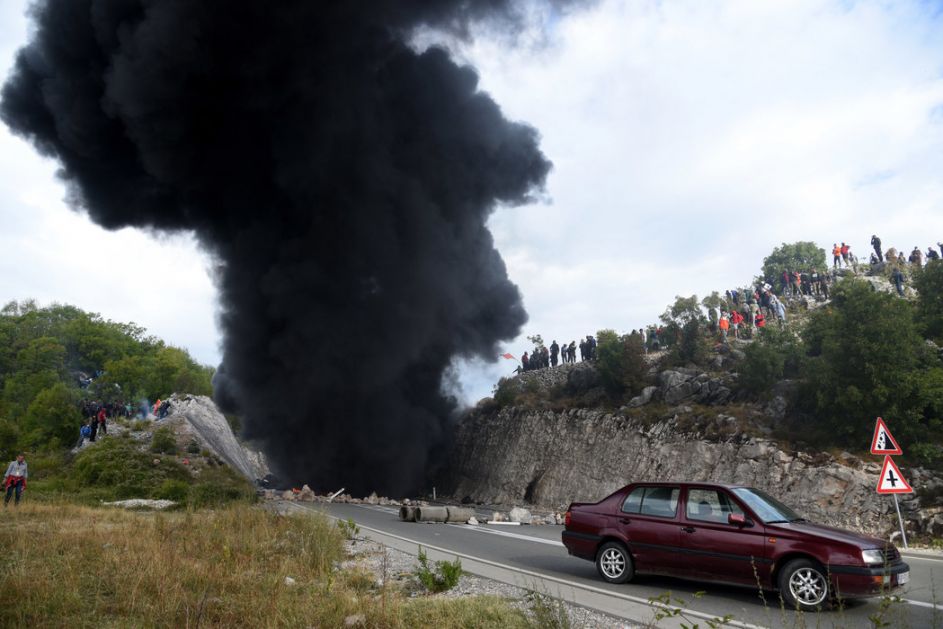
(803, 584)
(614, 563)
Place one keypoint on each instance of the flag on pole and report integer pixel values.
(509, 356)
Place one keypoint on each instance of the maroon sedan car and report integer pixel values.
(729, 534)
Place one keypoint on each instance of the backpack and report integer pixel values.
(86, 431)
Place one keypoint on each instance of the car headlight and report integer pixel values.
(872, 557)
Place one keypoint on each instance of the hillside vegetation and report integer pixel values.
(45, 353)
(839, 362)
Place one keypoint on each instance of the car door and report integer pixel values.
(649, 521)
(717, 549)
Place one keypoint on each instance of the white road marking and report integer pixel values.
(922, 604)
(921, 557)
(538, 575)
(529, 538)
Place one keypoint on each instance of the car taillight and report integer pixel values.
(566, 519)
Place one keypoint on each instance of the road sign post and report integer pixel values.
(903, 534)
(884, 443)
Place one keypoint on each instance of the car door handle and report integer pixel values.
(625, 520)
(688, 529)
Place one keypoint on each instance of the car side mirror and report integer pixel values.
(739, 519)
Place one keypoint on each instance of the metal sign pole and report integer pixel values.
(901, 520)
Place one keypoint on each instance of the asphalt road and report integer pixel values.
(533, 557)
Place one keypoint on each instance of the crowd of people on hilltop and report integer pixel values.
(915, 258)
(747, 308)
(96, 414)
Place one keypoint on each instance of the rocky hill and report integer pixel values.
(543, 451)
(198, 428)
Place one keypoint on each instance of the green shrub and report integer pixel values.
(164, 441)
(171, 489)
(505, 392)
(620, 362)
(219, 486)
(193, 447)
(349, 528)
(120, 470)
(444, 577)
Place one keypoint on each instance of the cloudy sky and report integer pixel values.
(688, 140)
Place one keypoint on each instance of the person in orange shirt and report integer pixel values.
(724, 325)
(836, 256)
(735, 320)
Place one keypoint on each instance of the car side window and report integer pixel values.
(633, 502)
(710, 505)
(660, 501)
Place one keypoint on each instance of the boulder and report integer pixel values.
(643, 398)
(519, 514)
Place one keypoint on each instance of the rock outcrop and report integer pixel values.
(549, 458)
(197, 417)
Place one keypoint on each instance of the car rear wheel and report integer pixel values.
(804, 584)
(614, 563)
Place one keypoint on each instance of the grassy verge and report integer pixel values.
(77, 566)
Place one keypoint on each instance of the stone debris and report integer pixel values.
(472, 520)
(141, 503)
(355, 620)
(289, 581)
(519, 514)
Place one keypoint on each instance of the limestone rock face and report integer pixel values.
(198, 417)
(581, 455)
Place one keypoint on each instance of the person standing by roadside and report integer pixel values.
(14, 480)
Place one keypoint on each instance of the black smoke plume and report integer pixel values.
(341, 179)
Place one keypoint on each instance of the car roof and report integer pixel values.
(673, 483)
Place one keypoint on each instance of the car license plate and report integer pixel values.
(903, 578)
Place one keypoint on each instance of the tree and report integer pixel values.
(53, 416)
(774, 355)
(929, 285)
(620, 362)
(867, 360)
(798, 256)
(676, 316)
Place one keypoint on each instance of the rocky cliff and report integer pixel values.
(197, 417)
(549, 457)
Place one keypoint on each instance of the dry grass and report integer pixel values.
(74, 566)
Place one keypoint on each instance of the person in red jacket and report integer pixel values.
(14, 480)
(102, 421)
(735, 320)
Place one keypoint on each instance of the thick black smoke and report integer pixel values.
(341, 179)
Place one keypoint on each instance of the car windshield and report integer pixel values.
(765, 506)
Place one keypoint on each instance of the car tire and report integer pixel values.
(803, 584)
(614, 563)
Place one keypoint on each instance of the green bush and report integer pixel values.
(620, 363)
(505, 392)
(798, 256)
(117, 466)
(164, 441)
(171, 489)
(53, 415)
(219, 486)
(776, 354)
(444, 577)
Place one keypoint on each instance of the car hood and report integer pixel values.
(832, 533)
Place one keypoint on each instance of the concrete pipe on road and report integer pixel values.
(407, 513)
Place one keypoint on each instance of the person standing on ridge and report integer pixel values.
(844, 253)
(876, 243)
(836, 256)
(554, 352)
(898, 277)
(14, 480)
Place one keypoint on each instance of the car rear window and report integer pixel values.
(658, 501)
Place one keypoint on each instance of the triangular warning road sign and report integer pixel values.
(891, 480)
(883, 442)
